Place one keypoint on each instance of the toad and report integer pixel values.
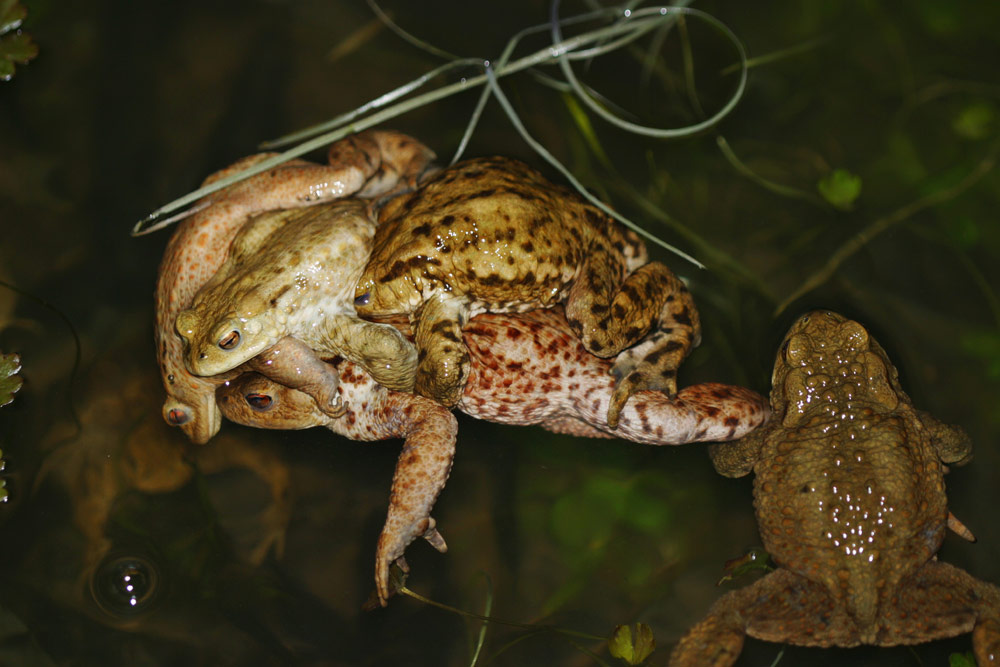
(850, 500)
(492, 235)
(524, 369)
(289, 279)
(370, 164)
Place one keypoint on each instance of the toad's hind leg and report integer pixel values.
(940, 601)
(781, 607)
(610, 317)
(443, 360)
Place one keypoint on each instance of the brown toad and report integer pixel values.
(525, 369)
(850, 500)
(492, 235)
(370, 164)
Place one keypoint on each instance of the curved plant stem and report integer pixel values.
(487, 608)
(524, 626)
(863, 237)
(551, 159)
(776, 188)
(631, 25)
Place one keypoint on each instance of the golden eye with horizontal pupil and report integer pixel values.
(230, 340)
(260, 402)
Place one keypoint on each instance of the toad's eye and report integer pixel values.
(230, 340)
(260, 402)
(363, 299)
(177, 417)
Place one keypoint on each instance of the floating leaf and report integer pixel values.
(4, 494)
(962, 660)
(634, 647)
(755, 559)
(975, 121)
(10, 364)
(11, 15)
(840, 188)
(16, 47)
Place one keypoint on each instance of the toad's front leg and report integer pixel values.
(652, 364)
(421, 472)
(611, 313)
(378, 348)
(443, 362)
(294, 364)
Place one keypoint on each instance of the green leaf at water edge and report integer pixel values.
(632, 646)
(10, 382)
(961, 660)
(975, 121)
(840, 188)
(11, 15)
(15, 46)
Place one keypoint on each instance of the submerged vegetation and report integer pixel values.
(16, 46)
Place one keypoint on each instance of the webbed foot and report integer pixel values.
(390, 550)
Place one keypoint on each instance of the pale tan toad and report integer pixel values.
(370, 164)
(289, 279)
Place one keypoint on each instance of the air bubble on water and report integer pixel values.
(125, 585)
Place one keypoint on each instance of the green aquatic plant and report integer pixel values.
(10, 381)
(777, 188)
(632, 646)
(16, 47)
(627, 24)
(962, 660)
(975, 121)
(529, 630)
(840, 188)
(755, 560)
(902, 214)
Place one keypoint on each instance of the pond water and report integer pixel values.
(131, 104)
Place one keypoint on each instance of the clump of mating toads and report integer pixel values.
(492, 235)
(370, 164)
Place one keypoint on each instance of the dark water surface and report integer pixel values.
(131, 104)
